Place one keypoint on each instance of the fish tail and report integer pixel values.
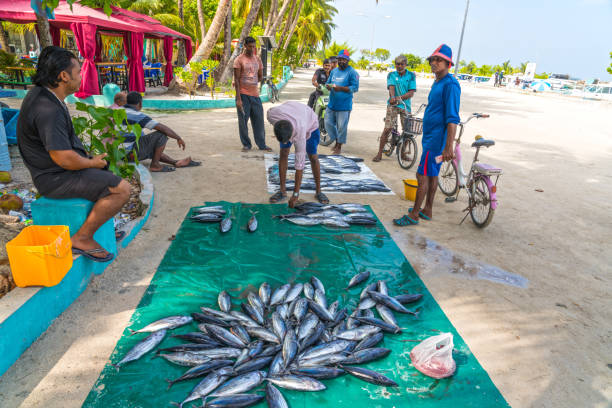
(170, 383)
(117, 366)
(132, 332)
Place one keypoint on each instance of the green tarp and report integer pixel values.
(201, 262)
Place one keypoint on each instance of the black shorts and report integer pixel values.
(90, 184)
(148, 143)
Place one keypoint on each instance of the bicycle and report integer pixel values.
(481, 191)
(407, 148)
(271, 89)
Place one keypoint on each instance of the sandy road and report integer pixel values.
(544, 346)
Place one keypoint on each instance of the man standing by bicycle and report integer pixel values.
(343, 82)
(402, 86)
(439, 128)
(248, 73)
(319, 78)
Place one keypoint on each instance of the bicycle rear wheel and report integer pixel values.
(448, 182)
(407, 152)
(481, 210)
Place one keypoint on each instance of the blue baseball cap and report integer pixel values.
(344, 54)
(444, 52)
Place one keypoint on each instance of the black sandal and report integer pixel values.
(322, 198)
(278, 196)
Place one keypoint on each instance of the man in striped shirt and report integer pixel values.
(402, 86)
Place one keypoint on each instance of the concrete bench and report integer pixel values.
(73, 212)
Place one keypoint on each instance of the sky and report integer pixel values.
(564, 36)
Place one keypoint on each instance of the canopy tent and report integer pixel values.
(85, 22)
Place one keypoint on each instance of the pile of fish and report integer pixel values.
(291, 332)
(330, 215)
(332, 164)
(216, 213)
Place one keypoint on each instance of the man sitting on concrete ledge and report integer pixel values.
(56, 158)
(152, 145)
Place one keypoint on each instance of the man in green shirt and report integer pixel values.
(402, 86)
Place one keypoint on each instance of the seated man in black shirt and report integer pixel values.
(319, 78)
(56, 158)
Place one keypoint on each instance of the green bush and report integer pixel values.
(101, 131)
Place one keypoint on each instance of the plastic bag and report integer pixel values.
(434, 356)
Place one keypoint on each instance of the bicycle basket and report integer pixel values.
(413, 125)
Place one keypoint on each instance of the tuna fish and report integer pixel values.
(142, 347)
(357, 279)
(274, 397)
(369, 376)
(297, 383)
(167, 323)
(225, 301)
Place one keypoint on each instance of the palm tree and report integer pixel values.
(201, 18)
(270, 30)
(293, 24)
(227, 45)
(209, 41)
(315, 26)
(246, 29)
(506, 67)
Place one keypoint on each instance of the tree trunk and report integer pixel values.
(4, 39)
(44, 35)
(287, 23)
(246, 29)
(301, 49)
(227, 45)
(279, 18)
(182, 56)
(293, 25)
(271, 15)
(205, 48)
(201, 19)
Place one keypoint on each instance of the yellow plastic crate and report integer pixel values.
(40, 255)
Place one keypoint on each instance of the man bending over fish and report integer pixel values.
(296, 123)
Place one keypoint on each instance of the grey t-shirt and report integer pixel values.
(44, 124)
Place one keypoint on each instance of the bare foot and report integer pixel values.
(377, 158)
(183, 162)
(87, 244)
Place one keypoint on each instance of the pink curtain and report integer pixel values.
(188, 49)
(135, 70)
(168, 74)
(85, 36)
(55, 34)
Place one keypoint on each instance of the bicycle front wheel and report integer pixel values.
(481, 210)
(448, 182)
(407, 152)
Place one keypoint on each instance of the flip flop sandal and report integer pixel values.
(322, 198)
(89, 254)
(278, 196)
(119, 235)
(404, 221)
(164, 169)
(191, 164)
(421, 214)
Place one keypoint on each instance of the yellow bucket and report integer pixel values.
(410, 189)
(40, 255)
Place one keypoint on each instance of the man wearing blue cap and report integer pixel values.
(343, 82)
(439, 128)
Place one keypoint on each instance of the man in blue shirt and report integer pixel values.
(402, 86)
(343, 82)
(439, 128)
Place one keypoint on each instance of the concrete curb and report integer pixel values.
(27, 313)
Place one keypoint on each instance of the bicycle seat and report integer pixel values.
(483, 142)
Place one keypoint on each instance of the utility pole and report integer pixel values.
(467, 6)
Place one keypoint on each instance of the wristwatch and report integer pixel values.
(295, 194)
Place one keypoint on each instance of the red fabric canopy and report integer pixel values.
(20, 11)
(89, 20)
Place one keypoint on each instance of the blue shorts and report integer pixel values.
(428, 166)
(311, 144)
